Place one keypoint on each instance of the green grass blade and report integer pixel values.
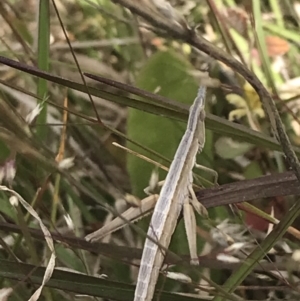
(79, 283)
(43, 62)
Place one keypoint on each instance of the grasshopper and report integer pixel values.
(173, 197)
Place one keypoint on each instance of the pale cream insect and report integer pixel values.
(173, 198)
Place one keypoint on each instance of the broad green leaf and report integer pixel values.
(168, 74)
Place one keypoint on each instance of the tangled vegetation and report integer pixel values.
(94, 101)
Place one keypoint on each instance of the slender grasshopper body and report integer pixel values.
(174, 193)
